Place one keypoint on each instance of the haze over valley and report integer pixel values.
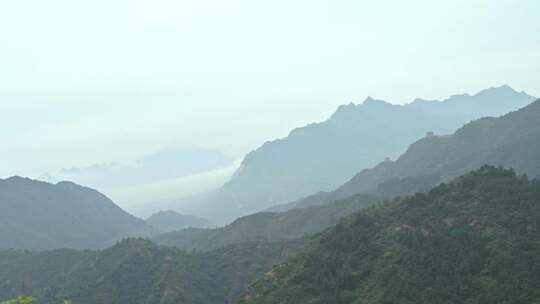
(240, 152)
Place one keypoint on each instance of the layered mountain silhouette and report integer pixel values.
(443, 223)
(473, 240)
(323, 156)
(169, 220)
(267, 226)
(39, 215)
(512, 141)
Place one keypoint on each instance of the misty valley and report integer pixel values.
(454, 218)
(269, 152)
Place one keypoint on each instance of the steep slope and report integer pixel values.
(322, 156)
(137, 271)
(38, 215)
(267, 226)
(512, 140)
(169, 220)
(474, 240)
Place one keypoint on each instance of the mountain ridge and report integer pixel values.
(511, 140)
(322, 156)
(267, 226)
(39, 215)
(508, 140)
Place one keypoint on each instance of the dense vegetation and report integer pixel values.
(27, 300)
(37, 215)
(268, 226)
(19, 300)
(138, 271)
(474, 240)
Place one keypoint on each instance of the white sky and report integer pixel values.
(84, 82)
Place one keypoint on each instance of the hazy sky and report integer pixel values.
(84, 82)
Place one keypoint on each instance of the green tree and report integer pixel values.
(19, 300)
(27, 300)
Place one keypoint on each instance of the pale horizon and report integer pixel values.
(107, 81)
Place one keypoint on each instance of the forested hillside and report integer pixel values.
(138, 271)
(473, 240)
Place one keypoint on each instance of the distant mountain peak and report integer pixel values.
(20, 180)
(29, 182)
(71, 186)
(422, 100)
(343, 109)
(457, 96)
(323, 156)
(503, 89)
(370, 101)
(67, 183)
(16, 178)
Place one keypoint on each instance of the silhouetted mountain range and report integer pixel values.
(267, 226)
(471, 239)
(39, 215)
(512, 141)
(323, 156)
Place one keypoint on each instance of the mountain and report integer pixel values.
(323, 156)
(38, 215)
(473, 240)
(137, 271)
(512, 140)
(169, 220)
(267, 226)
